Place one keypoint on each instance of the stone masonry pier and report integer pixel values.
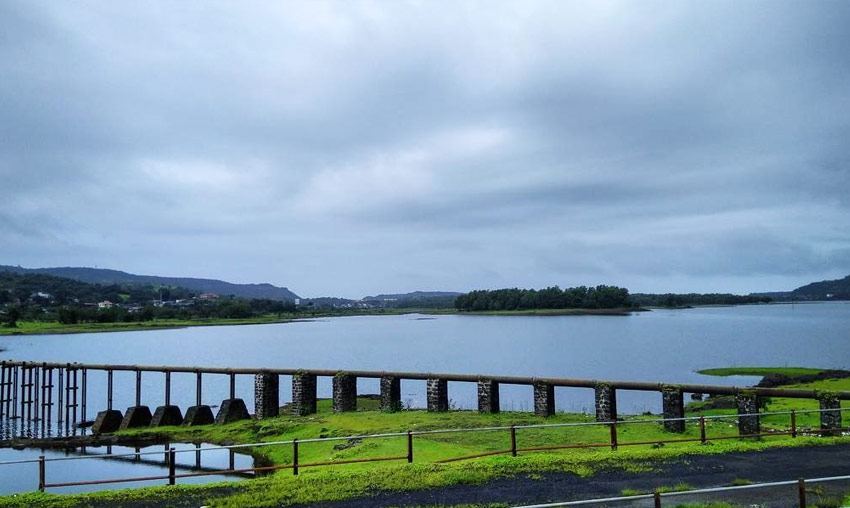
(22, 382)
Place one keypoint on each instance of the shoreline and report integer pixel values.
(54, 328)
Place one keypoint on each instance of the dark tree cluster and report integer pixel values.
(582, 297)
(673, 300)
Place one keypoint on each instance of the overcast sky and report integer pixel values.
(354, 148)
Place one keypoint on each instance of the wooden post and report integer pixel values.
(656, 496)
(801, 491)
(613, 436)
(172, 459)
(295, 456)
(513, 441)
(409, 447)
(702, 429)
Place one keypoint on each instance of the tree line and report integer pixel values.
(673, 300)
(582, 297)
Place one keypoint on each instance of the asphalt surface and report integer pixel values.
(698, 471)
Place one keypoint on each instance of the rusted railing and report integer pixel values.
(614, 442)
(800, 484)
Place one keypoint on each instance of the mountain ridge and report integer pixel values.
(109, 276)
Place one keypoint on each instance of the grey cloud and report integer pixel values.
(670, 145)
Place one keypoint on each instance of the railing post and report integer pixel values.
(793, 423)
(172, 460)
(613, 435)
(702, 429)
(41, 474)
(657, 498)
(409, 447)
(295, 456)
(138, 388)
(513, 441)
(801, 491)
(108, 389)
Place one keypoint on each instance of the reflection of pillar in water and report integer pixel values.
(138, 456)
(109, 449)
(198, 456)
(232, 463)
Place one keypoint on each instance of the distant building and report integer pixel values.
(208, 296)
(106, 304)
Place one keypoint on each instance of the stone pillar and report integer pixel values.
(488, 396)
(544, 399)
(303, 394)
(606, 403)
(390, 394)
(673, 405)
(830, 418)
(345, 393)
(747, 404)
(198, 415)
(438, 395)
(266, 395)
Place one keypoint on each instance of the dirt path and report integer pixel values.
(698, 471)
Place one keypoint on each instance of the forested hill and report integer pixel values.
(838, 289)
(107, 277)
(825, 290)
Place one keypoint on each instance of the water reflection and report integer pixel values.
(108, 462)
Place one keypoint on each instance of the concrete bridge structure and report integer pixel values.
(27, 392)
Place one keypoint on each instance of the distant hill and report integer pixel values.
(824, 290)
(219, 287)
(414, 295)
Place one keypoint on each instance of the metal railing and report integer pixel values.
(658, 496)
(613, 442)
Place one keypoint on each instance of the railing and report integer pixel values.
(658, 496)
(613, 442)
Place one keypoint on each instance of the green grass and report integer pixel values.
(760, 371)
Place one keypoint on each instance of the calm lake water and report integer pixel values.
(662, 345)
(116, 462)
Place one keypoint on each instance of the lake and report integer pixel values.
(662, 345)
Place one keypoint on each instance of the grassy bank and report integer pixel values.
(55, 327)
(760, 371)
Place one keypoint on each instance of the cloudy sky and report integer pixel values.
(351, 148)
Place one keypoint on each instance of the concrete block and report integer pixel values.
(136, 416)
(232, 410)
(167, 415)
(107, 421)
(198, 415)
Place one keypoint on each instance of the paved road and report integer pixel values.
(699, 471)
